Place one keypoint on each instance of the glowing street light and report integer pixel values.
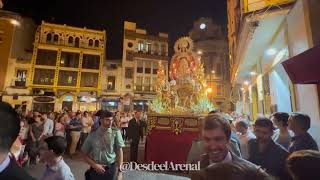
(199, 52)
(15, 22)
(203, 26)
(213, 71)
(252, 73)
(271, 52)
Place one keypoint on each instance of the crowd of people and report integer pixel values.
(278, 147)
(229, 146)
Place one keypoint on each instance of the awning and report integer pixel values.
(305, 67)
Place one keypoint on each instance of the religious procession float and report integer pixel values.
(175, 115)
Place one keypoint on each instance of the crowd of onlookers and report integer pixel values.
(74, 126)
(229, 146)
(275, 147)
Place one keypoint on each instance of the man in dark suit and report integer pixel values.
(9, 131)
(135, 131)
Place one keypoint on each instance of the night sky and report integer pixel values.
(175, 17)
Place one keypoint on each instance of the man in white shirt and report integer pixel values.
(51, 152)
(48, 126)
(244, 135)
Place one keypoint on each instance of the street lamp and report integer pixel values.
(271, 52)
(252, 73)
(199, 52)
(15, 22)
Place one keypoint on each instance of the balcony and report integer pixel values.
(20, 84)
(163, 56)
(255, 5)
(144, 89)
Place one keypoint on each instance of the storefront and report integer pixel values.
(87, 103)
(110, 104)
(43, 104)
(140, 105)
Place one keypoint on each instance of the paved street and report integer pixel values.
(78, 168)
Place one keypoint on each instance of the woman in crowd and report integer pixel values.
(59, 127)
(36, 134)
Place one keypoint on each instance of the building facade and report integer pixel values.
(63, 70)
(111, 85)
(16, 45)
(212, 46)
(261, 36)
(66, 67)
(141, 55)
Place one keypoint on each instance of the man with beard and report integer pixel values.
(266, 153)
(216, 135)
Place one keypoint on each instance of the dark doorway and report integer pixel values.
(67, 105)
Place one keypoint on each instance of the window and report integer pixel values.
(147, 84)
(89, 79)
(163, 50)
(218, 71)
(128, 86)
(130, 44)
(90, 61)
(49, 38)
(129, 56)
(77, 42)
(154, 81)
(70, 40)
(129, 73)
(156, 49)
(90, 42)
(96, 43)
(21, 77)
(140, 67)
(141, 46)
(148, 48)
(43, 76)
(69, 59)
(147, 68)
(111, 85)
(139, 83)
(56, 38)
(155, 68)
(67, 78)
(112, 67)
(220, 90)
(46, 57)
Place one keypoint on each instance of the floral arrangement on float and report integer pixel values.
(185, 93)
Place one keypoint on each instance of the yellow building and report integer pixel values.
(16, 39)
(141, 55)
(66, 68)
(262, 34)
